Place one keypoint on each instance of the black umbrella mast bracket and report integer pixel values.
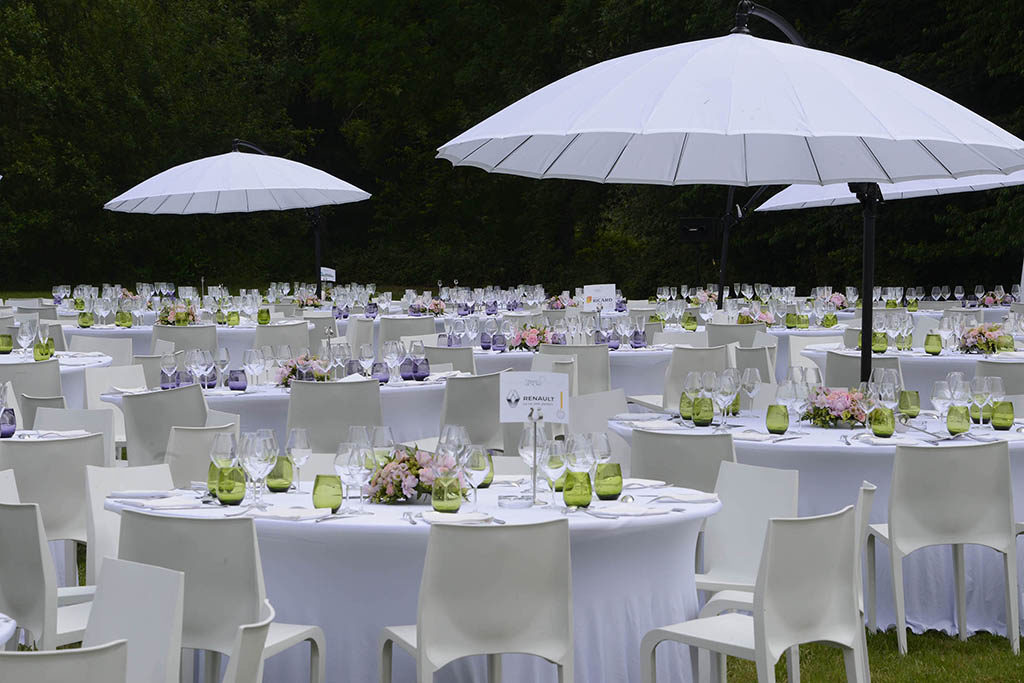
(870, 197)
(314, 215)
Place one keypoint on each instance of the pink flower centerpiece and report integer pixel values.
(407, 474)
(435, 307)
(839, 301)
(830, 407)
(302, 365)
(530, 337)
(981, 339)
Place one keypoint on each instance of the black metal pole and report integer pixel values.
(869, 197)
(316, 250)
(727, 222)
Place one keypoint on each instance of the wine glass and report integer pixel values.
(750, 382)
(1000, 292)
(726, 388)
(168, 365)
(996, 392)
(945, 292)
(393, 354)
(223, 453)
(941, 397)
(579, 455)
(476, 465)
(526, 446)
(222, 358)
(958, 292)
(980, 394)
(936, 293)
(341, 456)
(360, 436)
(366, 358)
(979, 291)
(299, 451)
(707, 311)
(852, 296)
(253, 362)
(359, 467)
(26, 334)
(551, 461)
(258, 459)
(692, 385)
(383, 443)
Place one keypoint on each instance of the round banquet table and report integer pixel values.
(413, 410)
(830, 475)
(72, 372)
(919, 369)
(354, 576)
(994, 314)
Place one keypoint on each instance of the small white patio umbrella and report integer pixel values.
(239, 182)
(739, 110)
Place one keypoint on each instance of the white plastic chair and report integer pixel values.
(30, 406)
(34, 378)
(143, 605)
(99, 381)
(119, 349)
(8, 489)
(695, 339)
(531, 614)
(394, 328)
(148, 419)
(1011, 372)
(758, 357)
(425, 339)
(683, 360)
(103, 526)
(805, 592)
(842, 370)
(295, 335)
(948, 496)
(567, 365)
(188, 452)
(474, 403)
(690, 460)
(101, 664)
(186, 336)
(67, 419)
(151, 366)
(460, 357)
(246, 658)
(593, 370)
(29, 594)
(851, 337)
(771, 342)
(723, 334)
(223, 582)
(327, 410)
(797, 343)
(359, 332)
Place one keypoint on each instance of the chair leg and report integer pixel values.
(565, 671)
(960, 590)
(211, 666)
(386, 655)
(70, 563)
(870, 606)
(723, 667)
(493, 668)
(854, 660)
(187, 673)
(317, 663)
(704, 666)
(897, 594)
(648, 659)
(1012, 605)
(793, 664)
(765, 669)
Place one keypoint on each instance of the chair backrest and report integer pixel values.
(100, 664)
(56, 332)
(99, 381)
(162, 346)
(328, 409)
(851, 337)
(30, 406)
(758, 357)
(567, 365)
(66, 419)
(770, 341)
(425, 339)
(19, 303)
(1017, 307)
(324, 327)
(1011, 372)
(34, 378)
(246, 659)
(764, 397)
(188, 452)
(21, 317)
(460, 357)
(685, 360)
(591, 412)
(531, 614)
(698, 339)
(359, 332)
(8, 487)
(141, 604)
(750, 496)
(865, 501)
(148, 419)
(805, 587)
(652, 328)
(294, 334)
(119, 349)
(798, 342)
(51, 472)
(223, 579)
(219, 418)
(103, 526)
(393, 328)
(151, 366)
(721, 334)
(923, 324)
(28, 583)
(474, 402)
(953, 494)
(186, 337)
(689, 460)
(843, 370)
(593, 369)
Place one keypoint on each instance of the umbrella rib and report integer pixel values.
(746, 172)
(159, 206)
(679, 161)
(475, 149)
(814, 161)
(559, 155)
(514, 150)
(619, 156)
(877, 162)
(932, 155)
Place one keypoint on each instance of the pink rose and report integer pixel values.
(532, 338)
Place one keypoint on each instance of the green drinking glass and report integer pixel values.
(1004, 342)
(777, 419)
(879, 342)
(703, 411)
(280, 478)
(933, 344)
(263, 317)
(1002, 415)
(181, 318)
(912, 305)
(85, 319)
(232, 318)
(830, 320)
(446, 495)
(221, 317)
(685, 406)
(689, 322)
(891, 303)
(212, 474)
(230, 485)
(958, 420)
(489, 479)
(79, 304)
(560, 483)
(910, 403)
(327, 492)
(577, 489)
(6, 344)
(803, 322)
(40, 351)
(608, 480)
(883, 422)
(791, 320)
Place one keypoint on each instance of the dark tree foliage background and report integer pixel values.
(97, 95)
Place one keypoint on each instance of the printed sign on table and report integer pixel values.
(599, 295)
(327, 275)
(546, 392)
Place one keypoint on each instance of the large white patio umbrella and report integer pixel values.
(239, 182)
(739, 110)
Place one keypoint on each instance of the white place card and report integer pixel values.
(327, 274)
(599, 295)
(546, 392)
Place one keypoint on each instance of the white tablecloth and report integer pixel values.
(830, 476)
(72, 372)
(986, 315)
(354, 576)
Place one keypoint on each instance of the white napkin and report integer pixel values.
(638, 417)
(508, 479)
(658, 425)
(353, 378)
(129, 390)
(631, 510)
(75, 362)
(687, 497)
(220, 391)
(79, 354)
(171, 503)
(434, 517)
(141, 494)
(636, 483)
(894, 440)
(435, 377)
(293, 514)
(752, 436)
(34, 434)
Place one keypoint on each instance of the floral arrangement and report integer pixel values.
(169, 313)
(981, 339)
(746, 317)
(990, 299)
(289, 370)
(417, 308)
(828, 407)
(530, 337)
(555, 303)
(309, 301)
(407, 474)
(435, 307)
(839, 300)
(703, 296)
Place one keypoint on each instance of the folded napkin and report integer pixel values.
(128, 390)
(171, 503)
(687, 497)
(434, 517)
(141, 494)
(293, 514)
(508, 479)
(751, 436)
(444, 376)
(658, 425)
(636, 483)
(637, 417)
(48, 434)
(75, 362)
(894, 440)
(79, 354)
(631, 510)
(353, 378)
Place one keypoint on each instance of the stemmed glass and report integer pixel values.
(475, 467)
(941, 397)
(223, 453)
(26, 333)
(979, 291)
(258, 459)
(707, 311)
(359, 467)
(222, 358)
(299, 451)
(996, 393)
(692, 386)
(726, 388)
(254, 363)
(168, 365)
(981, 395)
(551, 461)
(393, 353)
(936, 293)
(958, 292)
(341, 457)
(579, 455)
(383, 443)
(525, 448)
(366, 358)
(945, 292)
(750, 382)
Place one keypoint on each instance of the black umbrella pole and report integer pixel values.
(722, 264)
(870, 197)
(316, 251)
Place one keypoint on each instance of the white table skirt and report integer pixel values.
(830, 476)
(353, 577)
(412, 411)
(72, 373)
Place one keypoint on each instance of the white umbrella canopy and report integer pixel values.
(814, 196)
(236, 182)
(736, 110)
